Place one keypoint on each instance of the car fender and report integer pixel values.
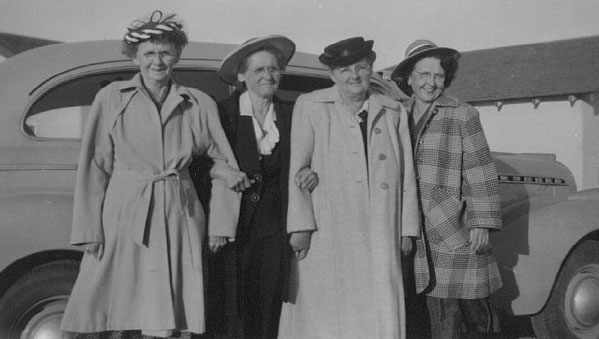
(36, 222)
(532, 247)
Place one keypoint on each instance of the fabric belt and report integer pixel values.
(136, 218)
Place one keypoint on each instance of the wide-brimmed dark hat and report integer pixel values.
(230, 64)
(347, 52)
(417, 50)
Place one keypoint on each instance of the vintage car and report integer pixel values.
(548, 251)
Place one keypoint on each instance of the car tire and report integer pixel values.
(572, 310)
(33, 306)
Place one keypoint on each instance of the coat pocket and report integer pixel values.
(443, 220)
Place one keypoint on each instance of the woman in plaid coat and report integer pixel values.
(459, 195)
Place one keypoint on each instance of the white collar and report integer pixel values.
(267, 134)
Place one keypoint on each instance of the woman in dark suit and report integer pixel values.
(247, 275)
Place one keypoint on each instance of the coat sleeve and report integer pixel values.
(300, 214)
(224, 202)
(410, 212)
(93, 171)
(480, 186)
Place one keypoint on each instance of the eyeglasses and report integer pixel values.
(429, 76)
(262, 71)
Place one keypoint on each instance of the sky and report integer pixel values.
(393, 24)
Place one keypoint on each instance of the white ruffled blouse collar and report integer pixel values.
(267, 134)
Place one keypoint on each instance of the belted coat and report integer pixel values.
(350, 284)
(135, 195)
(459, 191)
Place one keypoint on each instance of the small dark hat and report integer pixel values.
(347, 52)
(229, 67)
(417, 50)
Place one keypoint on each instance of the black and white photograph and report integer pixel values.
(299, 169)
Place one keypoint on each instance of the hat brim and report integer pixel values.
(401, 71)
(229, 67)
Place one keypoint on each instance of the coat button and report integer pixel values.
(384, 185)
(258, 177)
(382, 157)
(377, 131)
(254, 197)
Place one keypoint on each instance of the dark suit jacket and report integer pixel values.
(225, 286)
(240, 132)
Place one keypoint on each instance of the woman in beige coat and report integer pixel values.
(350, 232)
(136, 212)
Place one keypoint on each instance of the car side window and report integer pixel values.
(61, 123)
(62, 111)
(293, 85)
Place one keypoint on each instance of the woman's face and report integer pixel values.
(262, 74)
(427, 80)
(156, 60)
(353, 80)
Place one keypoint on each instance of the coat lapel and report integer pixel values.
(378, 107)
(283, 123)
(246, 148)
(376, 111)
(420, 127)
(284, 113)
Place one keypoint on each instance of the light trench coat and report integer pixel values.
(135, 195)
(350, 284)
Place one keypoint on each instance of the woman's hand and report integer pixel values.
(479, 239)
(241, 183)
(407, 245)
(94, 248)
(300, 243)
(306, 179)
(215, 243)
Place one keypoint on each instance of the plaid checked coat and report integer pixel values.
(459, 191)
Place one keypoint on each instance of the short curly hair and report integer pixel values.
(448, 63)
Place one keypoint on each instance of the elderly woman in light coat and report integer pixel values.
(136, 213)
(350, 232)
(459, 192)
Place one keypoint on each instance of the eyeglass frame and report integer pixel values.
(428, 76)
(262, 71)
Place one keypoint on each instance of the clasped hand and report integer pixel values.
(94, 248)
(305, 179)
(479, 239)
